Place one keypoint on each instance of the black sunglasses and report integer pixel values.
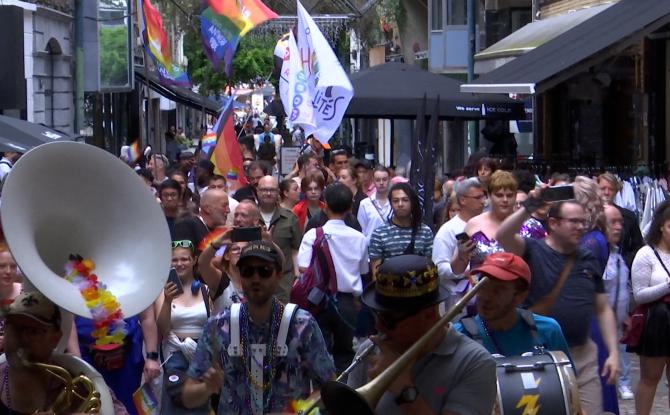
(264, 271)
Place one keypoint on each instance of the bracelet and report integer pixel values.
(213, 245)
(152, 355)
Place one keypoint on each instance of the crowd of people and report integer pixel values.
(564, 273)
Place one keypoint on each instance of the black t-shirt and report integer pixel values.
(575, 305)
(246, 192)
(190, 228)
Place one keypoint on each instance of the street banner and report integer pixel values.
(313, 86)
(422, 171)
(224, 22)
(154, 40)
(227, 156)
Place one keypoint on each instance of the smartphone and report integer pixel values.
(558, 193)
(174, 278)
(246, 234)
(462, 237)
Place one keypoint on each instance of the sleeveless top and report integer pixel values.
(483, 248)
(188, 321)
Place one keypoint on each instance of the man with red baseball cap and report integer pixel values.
(500, 325)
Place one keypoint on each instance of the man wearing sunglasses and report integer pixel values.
(262, 354)
(452, 375)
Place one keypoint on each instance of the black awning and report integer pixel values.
(619, 26)
(178, 94)
(396, 90)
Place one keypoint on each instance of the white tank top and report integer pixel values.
(188, 321)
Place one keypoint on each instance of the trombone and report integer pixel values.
(341, 399)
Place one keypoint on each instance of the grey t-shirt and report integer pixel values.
(458, 376)
(575, 306)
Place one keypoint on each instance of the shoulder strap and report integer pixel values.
(289, 311)
(409, 250)
(234, 348)
(661, 261)
(472, 329)
(543, 305)
(205, 297)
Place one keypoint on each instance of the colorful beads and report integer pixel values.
(108, 323)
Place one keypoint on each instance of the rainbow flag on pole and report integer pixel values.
(156, 44)
(224, 22)
(227, 156)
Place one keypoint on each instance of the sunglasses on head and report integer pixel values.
(263, 271)
(182, 244)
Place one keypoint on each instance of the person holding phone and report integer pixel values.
(182, 311)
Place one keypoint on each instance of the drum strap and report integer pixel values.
(472, 328)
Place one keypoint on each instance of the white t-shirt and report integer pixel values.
(349, 249)
(445, 246)
(267, 218)
(372, 215)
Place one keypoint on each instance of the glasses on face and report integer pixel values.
(263, 271)
(267, 190)
(574, 221)
(182, 244)
(235, 249)
(389, 319)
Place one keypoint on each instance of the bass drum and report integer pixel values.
(537, 384)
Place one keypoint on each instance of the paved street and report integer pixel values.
(661, 401)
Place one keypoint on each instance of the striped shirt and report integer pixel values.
(392, 240)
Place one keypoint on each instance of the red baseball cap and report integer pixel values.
(504, 266)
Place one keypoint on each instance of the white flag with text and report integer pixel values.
(313, 87)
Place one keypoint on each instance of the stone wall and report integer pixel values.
(53, 68)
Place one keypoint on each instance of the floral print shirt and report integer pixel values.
(307, 362)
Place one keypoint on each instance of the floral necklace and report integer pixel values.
(269, 370)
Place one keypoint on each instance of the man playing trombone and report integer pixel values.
(452, 375)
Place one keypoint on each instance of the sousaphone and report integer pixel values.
(66, 198)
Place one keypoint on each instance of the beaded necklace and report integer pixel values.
(5, 386)
(245, 346)
(490, 336)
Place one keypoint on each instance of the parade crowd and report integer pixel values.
(564, 275)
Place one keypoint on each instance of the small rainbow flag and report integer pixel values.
(224, 22)
(208, 142)
(134, 152)
(211, 237)
(227, 156)
(146, 400)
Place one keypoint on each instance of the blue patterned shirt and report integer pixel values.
(307, 360)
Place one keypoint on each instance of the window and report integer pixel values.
(457, 12)
(437, 8)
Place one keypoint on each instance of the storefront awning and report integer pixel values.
(531, 36)
(177, 94)
(613, 29)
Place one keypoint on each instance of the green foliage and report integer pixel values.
(113, 55)
(254, 58)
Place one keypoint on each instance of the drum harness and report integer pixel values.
(472, 330)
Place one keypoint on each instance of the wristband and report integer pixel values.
(215, 246)
(152, 355)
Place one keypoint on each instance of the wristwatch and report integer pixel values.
(408, 395)
(152, 355)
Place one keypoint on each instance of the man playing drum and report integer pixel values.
(453, 374)
(500, 325)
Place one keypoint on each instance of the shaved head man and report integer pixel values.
(214, 207)
(246, 214)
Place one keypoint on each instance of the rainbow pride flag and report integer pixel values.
(227, 156)
(224, 22)
(156, 44)
(147, 399)
(208, 143)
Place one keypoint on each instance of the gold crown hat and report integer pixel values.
(405, 283)
(35, 305)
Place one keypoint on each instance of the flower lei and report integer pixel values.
(108, 323)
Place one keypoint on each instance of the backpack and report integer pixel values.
(313, 289)
(267, 151)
